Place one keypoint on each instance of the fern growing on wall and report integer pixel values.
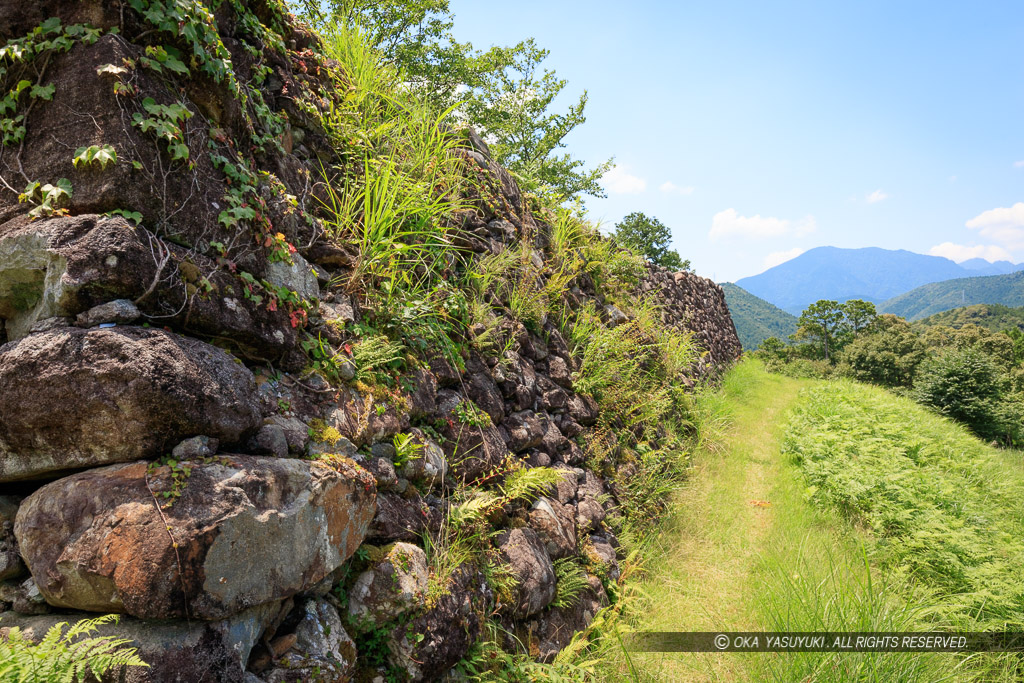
(65, 656)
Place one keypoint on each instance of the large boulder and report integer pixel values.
(176, 651)
(530, 563)
(73, 398)
(61, 267)
(246, 530)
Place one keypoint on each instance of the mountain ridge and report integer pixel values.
(869, 273)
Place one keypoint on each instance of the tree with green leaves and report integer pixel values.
(859, 315)
(822, 322)
(649, 237)
(512, 108)
(888, 355)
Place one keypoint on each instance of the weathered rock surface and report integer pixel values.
(449, 628)
(430, 466)
(63, 267)
(116, 312)
(176, 651)
(364, 420)
(136, 393)
(555, 526)
(248, 530)
(403, 517)
(471, 450)
(526, 555)
(391, 587)
(322, 652)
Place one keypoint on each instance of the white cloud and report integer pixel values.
(961, 252)
(618, 181)
(729, 223)
(1018, 164)
(776, 257)
(671, 188)
(876, 197)
(1002, 225)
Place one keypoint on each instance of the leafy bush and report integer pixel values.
(965, 385)
(889, 356)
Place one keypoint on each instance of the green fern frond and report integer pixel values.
(529, 484)
(65, 656)
(571, 581)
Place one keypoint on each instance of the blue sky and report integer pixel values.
(755, 130)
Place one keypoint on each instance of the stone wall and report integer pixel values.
(163, 453)
(695, 304)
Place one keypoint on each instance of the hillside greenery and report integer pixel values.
(756, 319)
(927, 300)
(992, 317)
(968, 373)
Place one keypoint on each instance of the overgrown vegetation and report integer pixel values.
(504, 91)
(943, 509)
(401, 196)
(65, 654)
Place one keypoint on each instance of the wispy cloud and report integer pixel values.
(776, 257)
(876, 197)
(671, 188)
(961, 252)
(1018, 164)
(1004, 225)
(729, 223)
(619, 181)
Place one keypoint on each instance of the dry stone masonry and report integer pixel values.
(162, 453)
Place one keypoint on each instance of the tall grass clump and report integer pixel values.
(393, 197)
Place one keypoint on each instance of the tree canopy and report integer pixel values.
(649, 237)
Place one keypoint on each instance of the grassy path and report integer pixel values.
(711, 564)
(746, 551)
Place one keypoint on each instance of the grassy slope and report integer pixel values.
(730, 563)
(755, 318)
(927, 300)
(992, 317)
